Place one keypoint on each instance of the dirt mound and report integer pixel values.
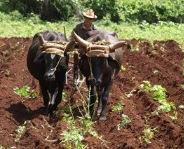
(160, 63)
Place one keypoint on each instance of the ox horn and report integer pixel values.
(41, 39)
(110, 47)
(87, 43)
(116, 45)
(80, 40)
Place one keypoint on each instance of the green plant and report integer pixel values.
(25, 92)
(122, 68)
(2, 147)
(124, 121)
(87, 126)
(159, 94)
(73, 137)
(64, 96)
(147, 135)
(182, 86)
(20, 131)
(77, 129)
(118, 107)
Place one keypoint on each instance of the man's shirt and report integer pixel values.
(81, 31)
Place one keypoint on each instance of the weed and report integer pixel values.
(64, 96)
(25, 92)
(87, 126)
(117, 107)
(124, 121)
(122, 68)
(159, 94)
(147, 135)
(73, 137)
(182, 85)
(20, 131)
(2, 147)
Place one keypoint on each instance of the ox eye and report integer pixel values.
(52, 56)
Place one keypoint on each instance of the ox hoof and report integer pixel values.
(103, 118)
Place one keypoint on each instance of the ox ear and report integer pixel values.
(39, 58)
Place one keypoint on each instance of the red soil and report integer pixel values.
(160, 63)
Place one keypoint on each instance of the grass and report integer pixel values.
(15, 25)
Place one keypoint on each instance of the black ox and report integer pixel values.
(49, 67)
(100, 64)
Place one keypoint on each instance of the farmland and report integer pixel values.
(132, 121)
(146, 103)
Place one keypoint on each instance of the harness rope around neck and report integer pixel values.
(57, 48)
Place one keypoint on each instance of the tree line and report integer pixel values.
(151, 11)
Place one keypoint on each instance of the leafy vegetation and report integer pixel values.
(124, 121)
(16, 25)
(117, 107)
(77, 130)
(122, 68)
(2, 147)
(117, 10)
(147, 135)
(73, 136)
(25, 92)
(20, 131)
(159, 94)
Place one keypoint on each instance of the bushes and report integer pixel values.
(151, 11)
(103, 8)
(57, 9)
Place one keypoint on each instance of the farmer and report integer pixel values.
(82, 29)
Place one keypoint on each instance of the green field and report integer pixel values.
(15, 25)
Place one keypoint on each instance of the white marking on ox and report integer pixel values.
(53, 97)
(52, 56)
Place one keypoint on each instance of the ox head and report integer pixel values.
(54, 58)
(101, 58)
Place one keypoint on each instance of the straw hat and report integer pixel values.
(89, 14)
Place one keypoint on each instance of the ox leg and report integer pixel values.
(44, 94)
(76, 71)
(99, 92)
(92, 100)
(55, 101)
(58, 99)
(104, 100)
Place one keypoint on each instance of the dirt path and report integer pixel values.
(160, 63)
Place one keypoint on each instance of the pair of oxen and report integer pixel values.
(98, 63)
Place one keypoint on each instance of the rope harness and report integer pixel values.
(98, 53)
(54, 47)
